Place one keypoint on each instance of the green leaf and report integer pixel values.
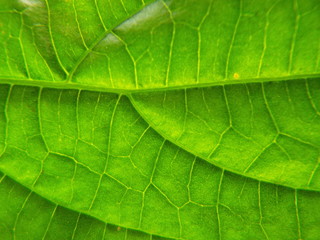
(268, 131)
(19, 207)
(115, 45)
(93, 153)
(67, 138)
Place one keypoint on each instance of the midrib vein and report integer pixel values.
(104, 88)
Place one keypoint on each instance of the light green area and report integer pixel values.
(19, 207)
(123, 45)
(93, 153)
(268, 131)
(72, 144)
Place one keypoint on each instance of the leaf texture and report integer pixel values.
(268, 131)
(176, 119)
(50, 221)
(121, 171)
(115, 45)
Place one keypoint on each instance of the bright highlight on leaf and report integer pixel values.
(159, 119)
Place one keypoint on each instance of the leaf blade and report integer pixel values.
(124, 52)
(264, 131)
(50, 220)
(164, 190)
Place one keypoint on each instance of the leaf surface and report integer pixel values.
(131, 45)
(19, 207)
(67, 138)
(119, 170)
(268, 131)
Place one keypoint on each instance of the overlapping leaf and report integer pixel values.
(19, 207)
(129, 45)
(267, 131)
(92, 152)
